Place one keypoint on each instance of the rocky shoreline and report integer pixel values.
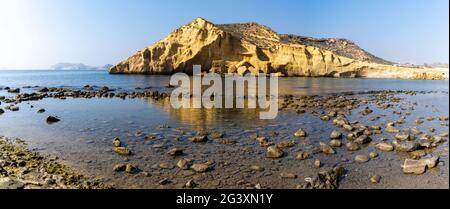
(21, 168)
(365, 141)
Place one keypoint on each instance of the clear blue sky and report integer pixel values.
(39, 33)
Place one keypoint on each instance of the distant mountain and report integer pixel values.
(78, 66)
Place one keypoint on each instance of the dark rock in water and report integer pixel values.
(44, 90)
(14, 108)
(88, 88)
(1, 111)
(52, 119)
(366, 111)
(16, 90)
(324, 180)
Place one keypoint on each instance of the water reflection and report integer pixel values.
(202, 118)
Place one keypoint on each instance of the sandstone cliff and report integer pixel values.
(252, 48)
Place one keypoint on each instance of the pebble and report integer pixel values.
(384, 146)
(336, 135)
(131, 169)
(257, 168)
(190, 184)
(404, 137)
(274, 152)
(116, 142)
(183, 164)
(375, 179)
(285, 144)
(405, 146)
(164, 181)
(414, 167)
(392, 129)
(351, 146)
(303, 155)
(175, 152)
(200, 168)
(14, 108)
(300, 133)
(165, 165)
(348, 127)
(317, 163)
(285, 175)
(326, 149)
(373, 155)
(52, 119)
(199, 139)
(335, 143)
(364, 139)
(120, 167)
(122, 151)
(361, 158)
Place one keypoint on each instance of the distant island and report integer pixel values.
(78, 66)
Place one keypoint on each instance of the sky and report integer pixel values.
(35, 34)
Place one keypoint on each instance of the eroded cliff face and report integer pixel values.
(252, 48)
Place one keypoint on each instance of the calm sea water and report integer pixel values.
(83, 136)
(299, 86)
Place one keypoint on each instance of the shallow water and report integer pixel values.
(83, 137)
(296, 86)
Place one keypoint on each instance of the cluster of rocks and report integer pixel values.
(23, 169)
(85, 92)
(335, 108)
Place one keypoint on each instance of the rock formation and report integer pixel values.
(252, 48)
